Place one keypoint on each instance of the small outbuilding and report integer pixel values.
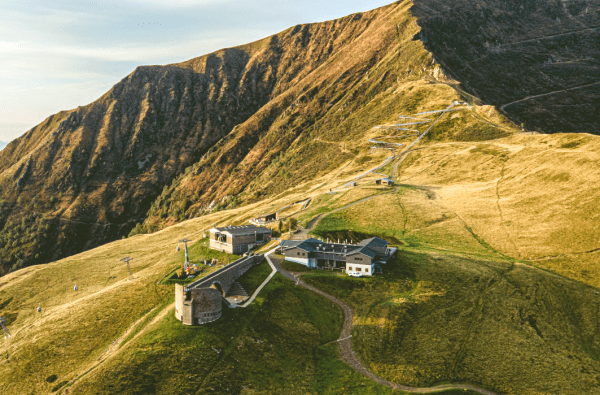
(384, 181)
(264, 219)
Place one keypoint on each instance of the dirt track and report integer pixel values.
(347, 353)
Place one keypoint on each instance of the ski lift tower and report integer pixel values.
(187, 259)
(4, 328)
(127, 260)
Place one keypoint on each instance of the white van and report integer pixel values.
(355, 274)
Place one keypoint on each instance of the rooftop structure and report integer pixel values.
(363, 257)
(238, 239)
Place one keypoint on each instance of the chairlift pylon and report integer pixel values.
(4, 328)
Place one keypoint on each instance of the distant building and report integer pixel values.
(238, 239)
(264, 219)
(384, 181)
(364, 257)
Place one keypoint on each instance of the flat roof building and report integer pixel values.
(264, 219)
(362, 257)
(238, 239)
(384, 181)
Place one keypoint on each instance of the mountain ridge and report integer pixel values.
(172, 142)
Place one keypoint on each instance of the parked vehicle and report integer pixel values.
(355, 274)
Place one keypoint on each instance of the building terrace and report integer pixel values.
(364, 257)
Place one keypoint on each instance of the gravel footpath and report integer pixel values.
(347, 353)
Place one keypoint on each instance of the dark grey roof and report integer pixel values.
(243, 230)
(306, 245)
(365, 251)
(372, 247)
(374, 241)
(290, 243)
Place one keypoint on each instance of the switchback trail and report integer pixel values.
(348, 355)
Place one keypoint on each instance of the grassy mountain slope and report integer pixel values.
(83, 177)
(173, 142)
(322, 122)
(497, 269)
(456, 307)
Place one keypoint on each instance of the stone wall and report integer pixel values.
(200, 302)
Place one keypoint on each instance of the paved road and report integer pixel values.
(348, 355)
(255, 294)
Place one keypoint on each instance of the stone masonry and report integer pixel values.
(201, 301)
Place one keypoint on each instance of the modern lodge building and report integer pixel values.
(363, 257)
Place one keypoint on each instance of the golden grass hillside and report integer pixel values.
(532, 197)
(446, 207)
(79, 329)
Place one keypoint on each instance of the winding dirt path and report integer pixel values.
(547, 94)
(348, 355)
(594, 28)
(116, 345)
(303, 233)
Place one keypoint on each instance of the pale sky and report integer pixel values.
(59, 54)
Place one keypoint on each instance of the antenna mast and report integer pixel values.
(187, 260)
(127, 260)
(4, 328)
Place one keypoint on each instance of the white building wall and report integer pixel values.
(302, 261)
(353, 267)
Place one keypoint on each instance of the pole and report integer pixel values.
(187, 260)
(127, 260)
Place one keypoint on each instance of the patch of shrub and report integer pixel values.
(59, 386)
(571, 144)
(52, 379)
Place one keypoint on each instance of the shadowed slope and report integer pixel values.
(505, 51)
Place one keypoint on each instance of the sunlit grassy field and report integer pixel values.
(465, 302)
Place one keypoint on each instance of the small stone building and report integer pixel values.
(264, 219)
(384, 181)
(238, 239)
(201, 301)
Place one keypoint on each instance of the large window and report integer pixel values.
(358, 269)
